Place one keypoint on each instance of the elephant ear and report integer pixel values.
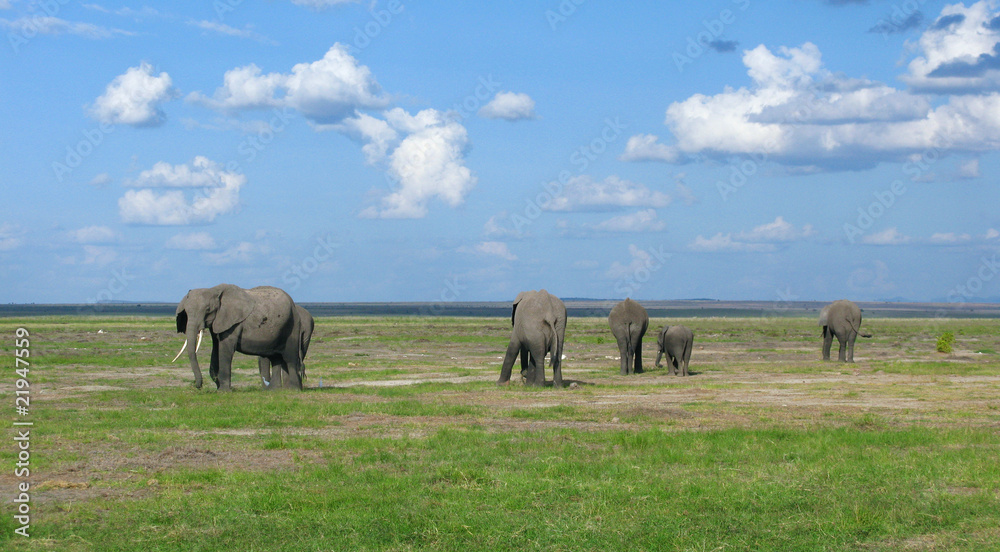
(660, 336)
(235, 305)
(517, 300)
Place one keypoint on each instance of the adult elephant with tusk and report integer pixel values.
(262, 321)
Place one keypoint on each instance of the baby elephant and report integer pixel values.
(676, 341)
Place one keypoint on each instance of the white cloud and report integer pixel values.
(582, 193)
(725, 242)
(195, 241)
(958, 52)
(100, 181)
(889, 236)
(511, 106)
(326, 91)
(377, 135)
(242, 253)
(646, 147)
(947, 238)
(428, 163)
(134, 98)
(797, 113)
(640, 221)
(641, 261)
(218, 192)
(227, 30)
(496, 228)
(99, 255)
(685, 193)
(778, 231)
(11, 236)
(47, 25)
(992, 234)
(762, 238)
(969, 169)
(491, 249)
(5, 4)
(94, 235)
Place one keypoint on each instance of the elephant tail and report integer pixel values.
(857, 330)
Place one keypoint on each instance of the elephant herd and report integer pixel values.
(266, 323)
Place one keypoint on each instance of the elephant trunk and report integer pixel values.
(194, 332)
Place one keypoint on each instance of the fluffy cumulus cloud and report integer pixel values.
(325, 91)
(763, 238)
(423, 155)
(583, 193)
(216, 192)
(511, 106)
(959, 52)
(797, 113)
(640, 221)
(134, 98)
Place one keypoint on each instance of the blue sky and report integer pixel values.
(429, 151)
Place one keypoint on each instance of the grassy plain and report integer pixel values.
(402, 441)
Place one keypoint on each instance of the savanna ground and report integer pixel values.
(402, 441)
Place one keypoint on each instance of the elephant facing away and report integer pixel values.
(841, 319)
(629, 321)
(305, 324)
(259, 321)
(676, 342)
(538, 321)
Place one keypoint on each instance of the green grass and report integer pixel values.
(765, 448)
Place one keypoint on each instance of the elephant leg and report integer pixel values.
(827, 342)
(850, 346)
(537, 365)
(638, 356)
(557, 366)
(623, 353)
(213, 367)
(225, 369)
(292, 378)
(525, 363)
(675, 365)
(513, 349)
(264, 366)
(842, 353)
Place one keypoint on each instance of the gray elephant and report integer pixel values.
(629, 321)
(676, 342)
(841, 319)
(538, 321)
(261, 321)
(306, 326)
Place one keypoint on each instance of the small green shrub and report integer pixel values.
(945, 342)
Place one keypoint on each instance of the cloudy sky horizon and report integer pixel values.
(398, 151)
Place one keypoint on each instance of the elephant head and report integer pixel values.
(218, 308)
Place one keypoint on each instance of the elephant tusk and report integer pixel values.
(198, 346)
(184, 346)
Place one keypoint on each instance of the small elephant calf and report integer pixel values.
(676, 342)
